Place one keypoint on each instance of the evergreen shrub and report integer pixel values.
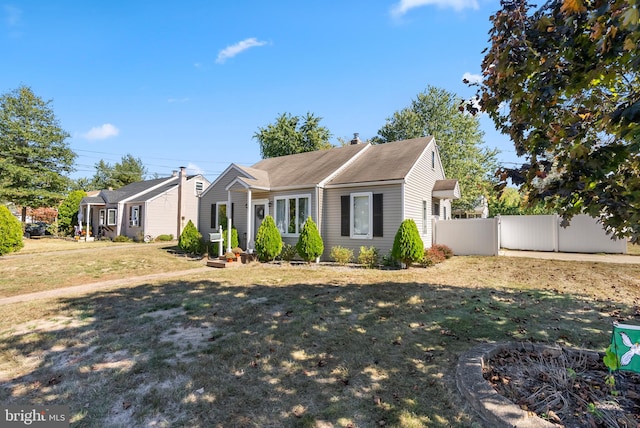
(310, 245)
(10, 232)
(268, 240)
(407, 244)
(190, 239)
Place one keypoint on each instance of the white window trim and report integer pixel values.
(352, 215)
(286, 211)
(115, 216)
(218, 205)
(102, 217)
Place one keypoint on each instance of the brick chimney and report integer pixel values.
(356, 138)
(182, 179)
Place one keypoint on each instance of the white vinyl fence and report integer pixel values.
(532, 233)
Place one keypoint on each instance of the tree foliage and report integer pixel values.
(268, 240)
(562, 81)
(436, 112)
(68, 211)
(10, 232)
(190, 239)
(511, 202)
(407, 244)
(292, 134)
(34, 156)
(128, 170)
(310, 245)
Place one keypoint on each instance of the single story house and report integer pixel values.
(144, 208)
(357, 194)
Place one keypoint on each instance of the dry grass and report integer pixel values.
(303, 346)
(633, 249)
(41, 269)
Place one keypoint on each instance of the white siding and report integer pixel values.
(418, 188)
(391, 214)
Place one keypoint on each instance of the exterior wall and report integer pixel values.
(191, 202)
(161, 215)
(418, 188)
(293, 240)
(331, 212)
(134, 232)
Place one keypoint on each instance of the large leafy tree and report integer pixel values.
(436, 112)
(35, 158)
(562, 81)
(68, 211)
(292, 134)
(127, 171)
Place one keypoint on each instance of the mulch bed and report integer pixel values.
(568, 387)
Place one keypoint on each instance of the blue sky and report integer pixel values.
(188, 83)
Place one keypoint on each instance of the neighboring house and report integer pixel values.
(357, 194)
(481, 210)
(151, 207)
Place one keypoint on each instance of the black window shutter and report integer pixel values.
(233, 221)
(214, 213)
(377, 214)
(344, 215)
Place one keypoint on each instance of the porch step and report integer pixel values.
(221, 263)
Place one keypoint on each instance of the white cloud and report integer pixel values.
(193, 169)
(405, 6)
(233, 50)
(472, 78)
(12, 15)
(101, 132)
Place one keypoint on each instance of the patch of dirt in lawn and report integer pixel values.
(573, 389)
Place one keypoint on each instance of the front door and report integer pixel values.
(259, 211)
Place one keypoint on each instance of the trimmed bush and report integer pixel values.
(190, 239)
(341, 255)
(122, 238)
(407, 245)
(10, 232)
(268, 240)
(164, 237)
(310, 245)
(288, 252)
(369, 256)
(234, 239)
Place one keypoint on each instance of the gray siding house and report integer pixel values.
(145, 208)
(357, 194)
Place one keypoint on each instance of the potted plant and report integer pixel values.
(229, 256)
(237, 251)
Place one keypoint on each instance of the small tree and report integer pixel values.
(407, 245)
(68, 211)
(10, 232)
(190, 239)
(310, 245)
(268, 240)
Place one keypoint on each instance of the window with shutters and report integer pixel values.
(362, 215)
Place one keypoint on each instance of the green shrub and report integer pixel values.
(122, 238)
(190, 239)
(10, 232)
(310, 245)
(426, 261)
(407, 245)
(234, 238)
(369, 256)
(68, 211)
(268, 240)
(288, 252)
(445, 250)
(341, 255)
(389, 261)
(164, 237)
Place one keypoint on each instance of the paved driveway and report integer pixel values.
(581, 257)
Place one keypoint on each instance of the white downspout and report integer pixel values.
(229, 224)
(249, 219)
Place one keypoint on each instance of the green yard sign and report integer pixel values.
(625, 343)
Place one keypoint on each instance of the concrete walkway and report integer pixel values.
(88, 288)
(580, 257)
